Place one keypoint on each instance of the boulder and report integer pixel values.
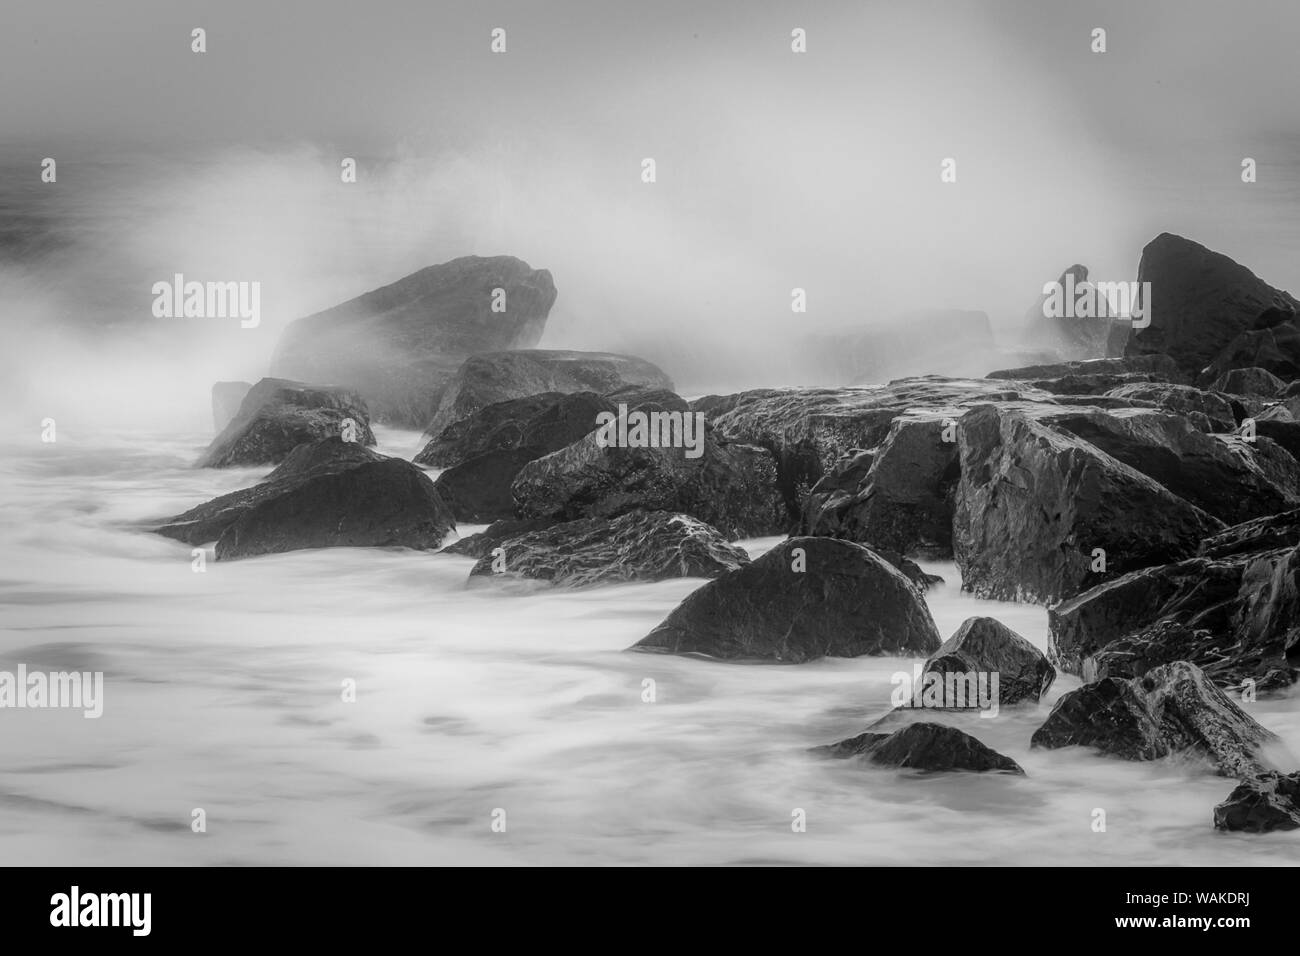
(1172, 709)
(1033, 503)
(1249, 381)
(924, 746)
(495, 427)
(1201, 302)
(1275, 349)
(985, 645)
(498, 376)
(399, 345)
(226, 399)
(638, 546)
(806, 598)
(330, 493)
(479, 490)
(1261, 804)
(730, 485)
(276, 416)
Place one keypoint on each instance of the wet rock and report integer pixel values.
(806, 598)
(479, 490)
(1268, 533)
(639, 546)
(1249, 381)
(1152, 368)
(1184, 400)
(1275, 349)
(1172, 709)
(1261, 804)
(495, 535)
(925, 746)
(987, 646)
(496, 427)
(399, 345)
(276, 416)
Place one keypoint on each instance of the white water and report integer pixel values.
(223, 691)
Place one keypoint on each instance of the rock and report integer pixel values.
(845, 602)
(987, 646)
(1221, 475)
(1101, 384)
(330, 493)
(399, 345)
(226, 399)
(1275, 349)
(1033, 503)
(925, 746)
(498, 376)
(1183, 400)
(1281, 530)
(1249, 381)
(479, 490)
(495, 427)
(638, 546)
(902, 500)
(1173, 709)
(1155, 368)
(1261, 804)
(1201, 302)
(730, 486)
(495, 535)
(276, 416)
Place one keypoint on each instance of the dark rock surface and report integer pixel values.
(639, 546)
(847, 602)
(1261, 804)
(1174, 708)
(399, 345)
(1159, 368)
(276, 416)
(1250, 381)
(925, 746)
(986, 645)
(1184, 400)
(495, 535)
(496, 427)
(479, 490)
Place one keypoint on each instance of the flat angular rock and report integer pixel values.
(1184, 400)
(847, 601)
(925, 746)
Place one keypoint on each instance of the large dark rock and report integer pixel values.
(325, 494)
(495, 427)
(498, 376)
(902, 500)
(1249, 381)
(1201, 302)
(276, 416)
(1034, 502)
(1172, 709)
(479, 490)
(639, 546)
(1261, 804)
(226, 399)
(730, 486)
(399, 345)
(1281, 530)
(1184, 400)
(924, 746)
(1275, 349)
(985, 645)
(806, 598)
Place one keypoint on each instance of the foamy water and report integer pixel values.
(223, 692)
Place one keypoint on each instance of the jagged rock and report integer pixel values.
(806, 598)
(639, 546)
(987, 646)
(276, 416)
(1249, 381)
(1268, 533)
(1172, 709)
(498, 376)
(226, 399)
(1183, 399)
(1034, 502)
(1261, 804)
(1201, 302)
(730, 486)
(399, 345)
(902, 501)
(924, 746)
(330, 493)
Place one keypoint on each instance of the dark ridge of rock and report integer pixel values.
(1276, 425)
(987, 646)
(641, 399)
(1172, 709)
(1258, 382)
(1033, 503)
(911, 570)
(498, 376)
(845, 602)
(1159, 367)
(731, 486)
(1201, 302)
(399, 345)
(330, 493)
(479, 490)
(902, 501)
(1275, 349)
(1183, 400)
(1268, 533)
(925, 746)
(226, 399)
(494, 535)
(638, 546)
(1093, 385)
(1261, 804)
(495, 427)
(277, 416)
(1221, 475)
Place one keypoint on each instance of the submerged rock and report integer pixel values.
(925, 746)
(806, 598)
(1261, 804)
(985, 645)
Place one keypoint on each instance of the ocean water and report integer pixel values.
(223, 691)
